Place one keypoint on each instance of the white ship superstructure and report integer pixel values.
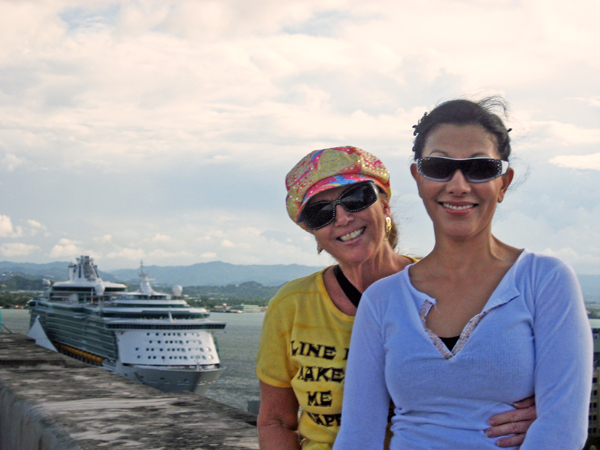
(150, 337)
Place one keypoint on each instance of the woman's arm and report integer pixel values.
(513, 424)
(563, 359)
(278, 419)
(366, 399)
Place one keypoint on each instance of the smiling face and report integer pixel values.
(460, 209)
(353, 237)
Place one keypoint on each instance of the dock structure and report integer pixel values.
(49, 401)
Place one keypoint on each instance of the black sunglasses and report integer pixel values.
(475, 170)
(356, 198)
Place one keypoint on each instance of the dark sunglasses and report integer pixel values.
(356, 198)
(475, 170)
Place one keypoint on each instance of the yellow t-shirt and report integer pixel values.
(304, 345)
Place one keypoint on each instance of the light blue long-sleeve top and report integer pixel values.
(533, 336)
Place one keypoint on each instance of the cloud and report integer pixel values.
(578, 161)
(35, 224)
(106, 239)
(8, 230)
(128, 253)
(162, 254)
(6, 226)
(164, 130)
(565, 253)
(9, 162)
(592, 101)
(227, 243)
(65, 248)
(17, 249)
(161, 238)
(570, 134)
(35, 227)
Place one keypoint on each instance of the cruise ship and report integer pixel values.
(150, 337)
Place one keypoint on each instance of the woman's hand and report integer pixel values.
(515, 423)
(277, 422)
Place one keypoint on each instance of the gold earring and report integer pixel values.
(388, 228)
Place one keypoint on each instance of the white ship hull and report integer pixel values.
(174, 376)
(171, 379)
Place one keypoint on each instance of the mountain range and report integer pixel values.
(214, 273)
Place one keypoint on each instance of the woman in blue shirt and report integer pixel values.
(475, 325)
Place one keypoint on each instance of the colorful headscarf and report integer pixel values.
(330, 168)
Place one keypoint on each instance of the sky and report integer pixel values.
(162, 131)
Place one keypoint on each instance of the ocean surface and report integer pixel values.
(238, 345)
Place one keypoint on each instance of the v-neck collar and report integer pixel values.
(504, 293)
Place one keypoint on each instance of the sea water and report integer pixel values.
(238, 345)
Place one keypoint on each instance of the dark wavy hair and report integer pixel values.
(466, 112)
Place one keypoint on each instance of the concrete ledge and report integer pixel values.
(49, 401)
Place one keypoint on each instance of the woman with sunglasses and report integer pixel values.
(476, 324)
(341, 196)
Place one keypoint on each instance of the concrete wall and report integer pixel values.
(51, 402)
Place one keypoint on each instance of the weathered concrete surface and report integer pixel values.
(49, 401)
